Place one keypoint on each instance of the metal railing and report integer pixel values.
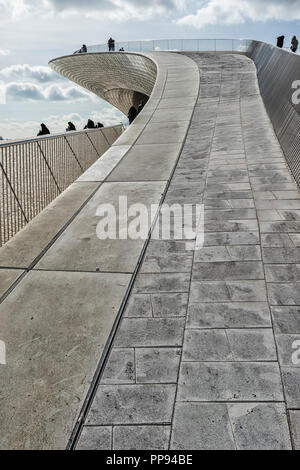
(34, 172)
(216, 45)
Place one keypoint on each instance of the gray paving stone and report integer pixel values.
(230, 291)
(284, 294)
(229, 315)
(234, 214)
(281, 255)
(206, 345)
(143, 332)
(287, 345)
(199, 426)
(227, 271)
(172, 263)
(276, 240)
(139, 305)
(132, 404)
(157, 365)
(154, 283)
(282, 272)
(291, 383)
(169, 305)
(95, 438)
(228, 253)
(141, 438)
(286, 320)
(260, 426)
(295, 428)
(223, 381)
(252, 345)
(233, 226)
(231, 238)
(120, 368)
(283, 227)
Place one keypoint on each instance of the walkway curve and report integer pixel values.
(62, 289)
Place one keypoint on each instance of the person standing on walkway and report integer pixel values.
(70, 127)
(280, 41)
(295, 43)
(90, 124)
(132, 113)
(111, 45)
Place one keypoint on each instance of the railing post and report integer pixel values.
(48, 166)
(74, 154)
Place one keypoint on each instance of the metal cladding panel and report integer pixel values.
(277, 70)
(121, 79)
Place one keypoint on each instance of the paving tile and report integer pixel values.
(223, 381)
(169, 305)
(143, 332)
(132, 404)
(199, 426)
(227, 271)
(141, 438)
(288, 346)
(228, 253)
(157, 365)
(139, 305)
(281, 255)
(291, 383)
(231, 238)
(95, 438)
(295, 428)
(286, 320)
(252, 345)
(230, 291)
(229, 315)
(284, 294)
(282, 272)
(154, 283)
(233, 226)
(172, 263)
(276, 240)
(120, 368)
(260, 426)
(206, 345)
(7, 278)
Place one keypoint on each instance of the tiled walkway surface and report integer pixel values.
(203, 356)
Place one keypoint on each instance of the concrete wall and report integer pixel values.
(277, 71)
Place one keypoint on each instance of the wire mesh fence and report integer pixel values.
(34, 172)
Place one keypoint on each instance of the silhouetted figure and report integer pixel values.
(132, 114)
(294, 46)
(70, 127)
(141, 107)
(90, 124)
(280, 41)
(99, 125)
(82, 50)
(122, 49)
(44, 130)
(111, 45)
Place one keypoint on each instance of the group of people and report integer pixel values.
(133, 112)
(71, 127)
(111, 47)
(294, 43)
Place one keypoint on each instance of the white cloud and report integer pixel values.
(4, 52)
(17, 91)
(119, 10)
(229, 12)
(40, 74)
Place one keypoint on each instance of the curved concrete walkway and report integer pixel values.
(62, 288)
(202, 359)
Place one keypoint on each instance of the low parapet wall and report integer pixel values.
(278, 72)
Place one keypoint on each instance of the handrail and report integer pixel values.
(51, 136)
(33, 172)
(211, 44)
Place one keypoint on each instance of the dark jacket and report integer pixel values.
(90, 124)
(44, 130)
(132, 113)
(280, 41)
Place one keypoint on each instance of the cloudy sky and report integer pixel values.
(34, 31)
